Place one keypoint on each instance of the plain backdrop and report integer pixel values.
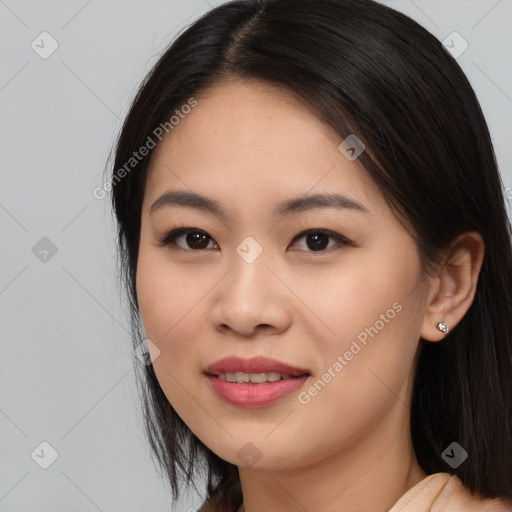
(67, 387)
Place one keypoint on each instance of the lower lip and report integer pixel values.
(255, 395)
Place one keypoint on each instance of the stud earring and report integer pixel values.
(442, 327)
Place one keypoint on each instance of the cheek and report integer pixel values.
(169, 304)
(371, 317)
(164, 296)
(367, 366)
(153, 295)
(365, 294)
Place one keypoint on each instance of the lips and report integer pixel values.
(262, 393)
(254, 365)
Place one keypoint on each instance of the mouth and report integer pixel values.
(255, 382)
(256, 370)
(255, 378)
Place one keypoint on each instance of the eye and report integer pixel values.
(194, 239)
(318, 239)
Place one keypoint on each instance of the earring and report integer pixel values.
(442, 327)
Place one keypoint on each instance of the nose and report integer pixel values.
(251, 298)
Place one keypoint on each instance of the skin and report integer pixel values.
(250, 146)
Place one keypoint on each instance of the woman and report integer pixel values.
(371, 371)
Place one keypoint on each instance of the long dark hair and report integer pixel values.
(366, 69)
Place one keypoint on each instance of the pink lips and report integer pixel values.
(253, 365)
(254, 395)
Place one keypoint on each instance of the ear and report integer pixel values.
(454, 285)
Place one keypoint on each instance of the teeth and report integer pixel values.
(241, 377)
(257, 378)
(253, 378)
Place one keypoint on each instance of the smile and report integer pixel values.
(255, 382)
(253, 378)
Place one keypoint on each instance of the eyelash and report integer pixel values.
(169, 238)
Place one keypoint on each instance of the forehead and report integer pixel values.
(249, 141)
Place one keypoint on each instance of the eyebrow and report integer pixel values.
(295, 205)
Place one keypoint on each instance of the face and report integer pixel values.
(330, 290)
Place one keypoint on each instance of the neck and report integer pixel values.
(371, 474)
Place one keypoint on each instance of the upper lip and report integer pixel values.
(257, 364)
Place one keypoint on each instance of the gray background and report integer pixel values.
(66, 374)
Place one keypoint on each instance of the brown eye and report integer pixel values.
(317, 240)
(192, 239)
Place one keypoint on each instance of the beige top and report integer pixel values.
(439, 492)
(442, 492)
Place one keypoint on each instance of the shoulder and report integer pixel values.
(443, 492)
